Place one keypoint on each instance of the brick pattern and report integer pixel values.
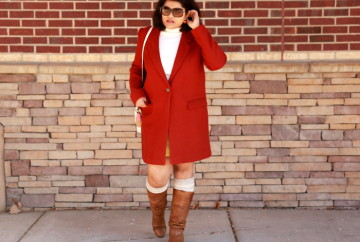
(282, 135)
(247, 26)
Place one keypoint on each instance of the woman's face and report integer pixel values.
(172, 22)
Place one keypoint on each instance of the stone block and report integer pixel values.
(85, 87)
(20, 168)
(97, 181)
(42, 171)
(121, 170)
(127, 181)
(31, 88)
(285, 132)
(276, 67)
(36, 201)
(226, 129)
(268, 87)
(113, 198)
(58, 88)
(256, 129)
(85, 170)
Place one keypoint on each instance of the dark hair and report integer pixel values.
(187, 4)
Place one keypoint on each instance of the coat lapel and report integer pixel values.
(183, 49)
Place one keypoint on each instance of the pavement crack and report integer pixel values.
(232, 225)
(31, 226)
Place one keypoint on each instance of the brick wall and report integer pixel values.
(283, 135)
(246, 26)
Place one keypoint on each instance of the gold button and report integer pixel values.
(167, 89)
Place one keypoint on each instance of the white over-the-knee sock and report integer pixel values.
(156, 189)
(187, 185)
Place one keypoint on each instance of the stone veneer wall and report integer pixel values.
(283, 135)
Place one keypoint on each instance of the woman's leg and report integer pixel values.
(157, 184)
(182, 196)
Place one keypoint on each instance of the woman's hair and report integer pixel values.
(187, 4)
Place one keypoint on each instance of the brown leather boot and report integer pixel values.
(179, 211)
(158, 204)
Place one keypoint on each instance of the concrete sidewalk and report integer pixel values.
(203, 225)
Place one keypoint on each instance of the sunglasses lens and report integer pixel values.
(165, 11)
(178, 12)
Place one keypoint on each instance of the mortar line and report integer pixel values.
(31, 226)
(232, 225)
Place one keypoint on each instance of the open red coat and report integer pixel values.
(176, 107)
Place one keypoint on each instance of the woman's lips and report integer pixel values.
(170, 21)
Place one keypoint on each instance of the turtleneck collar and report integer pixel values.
(177, 30)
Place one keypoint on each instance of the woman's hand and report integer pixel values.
(141, 102)
(195, 22)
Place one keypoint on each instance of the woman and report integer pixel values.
(173, 104)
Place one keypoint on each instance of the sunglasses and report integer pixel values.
(177, 12)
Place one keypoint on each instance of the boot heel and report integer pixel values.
(158, 204)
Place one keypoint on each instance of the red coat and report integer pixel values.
(176, 107)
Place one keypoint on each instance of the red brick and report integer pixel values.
(60, 23)
(243, 4)
(308, 30)
(137, 6)
(243, 39)
(99, 14)
(31, 88)
(225, 130)
(73, 14)
(229, 31)
(10, 23)
(336, 12)
(255, 48)
(7, 112)
(73, 31)
(58, 88)
(48, 49)
(85, 87)
(296, 4)
(112, 5)
(115, 41)
(321, 38)
(47, 32)
(255, 30)
(268, 87)
(334, 29)
(21, 32)
(323, 3)
(20, 168)
(97, 181)
(256, 13)
(86, 40)
(33, 23)
(355, 11)
(22, 14)
(35, 40)
(124, 31)
(38, 200)
(351, 20)
(121, 170)
(309, 12)
(269, 4)
(309, 47)
(322, 21)
(217, 5)
(118, 23)
(242, 22)
(77, 49)
(10, 5)
(127, 14)
(113, 198)
(86, 23)
(100, 49)
(229, 13)
(87, 5)
(10, 40)
(354, 29)
(44, 121)
(354, 46)
(35, 5)
(11, 155)
(269, 21)
(217, 22)
(256, 129)
(347, 3)
(271, 39)
(44, 171)
(61, 5)
(47, 14)
(348, 38)
(285, 132)
(279, 13)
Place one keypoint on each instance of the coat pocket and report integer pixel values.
(197, 103)
(147, 110)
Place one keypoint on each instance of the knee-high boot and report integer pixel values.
(158, 204)
(179, 211)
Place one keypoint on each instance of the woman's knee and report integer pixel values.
(158, 175)
(183, 171)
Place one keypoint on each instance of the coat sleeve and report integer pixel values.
(214, 57)
(136, 85)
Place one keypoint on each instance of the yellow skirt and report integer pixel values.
(167, 154)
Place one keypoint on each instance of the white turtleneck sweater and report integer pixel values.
(168, 46)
